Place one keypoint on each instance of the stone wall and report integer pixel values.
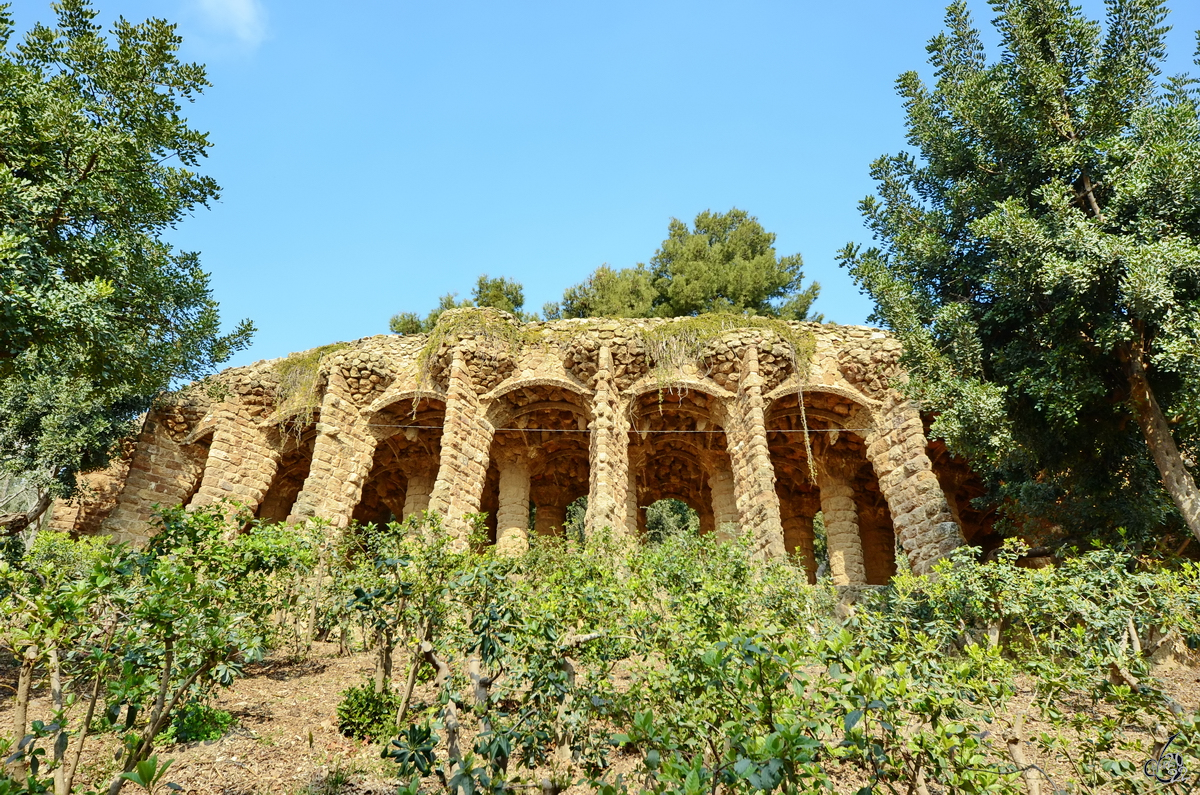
(756, 427)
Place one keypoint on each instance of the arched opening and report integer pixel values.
(293, 469)
(677, 451)
(837, 480)
(670, 517)
(195, 455)
(409, 434)
(539, 454)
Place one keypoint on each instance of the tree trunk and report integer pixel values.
(1178, 482)
(60, 737)
(315, 598)
(383, 662)
(18, 768)
(411, 682)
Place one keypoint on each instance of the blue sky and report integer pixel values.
(374, 156)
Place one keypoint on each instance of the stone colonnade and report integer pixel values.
(542, 432)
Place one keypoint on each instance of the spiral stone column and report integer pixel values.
(343, 453)
(162, 472)
(753, 474)
(416, 496)
(466, 440)
(608, 455)
(724, 504)
(896, 447)
(512, 519)
(241, 463)
(834, 473)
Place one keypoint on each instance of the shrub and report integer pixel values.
(198, 722)
(366, 715)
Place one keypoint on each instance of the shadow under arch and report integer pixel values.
(678, 449)
(817, 438)
(195, 448)
(541, 439)
(407, 427)
(295, 462)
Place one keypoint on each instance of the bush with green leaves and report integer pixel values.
(367, 715)
(197, 722)
(141, 637)
(716, 672)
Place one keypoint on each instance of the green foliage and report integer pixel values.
(1065, 624)
(702, 666)
(366, 715)
(667, 518)
(504, 294)
(198, 722)
(712, 671)
(725, 263)
(148, 774)
(573, 527)
(1039, 257)
(628, 292)
(99, 314)
(144, 636)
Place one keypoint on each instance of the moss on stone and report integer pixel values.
(298, 395)
(485, 324)
(678, 342)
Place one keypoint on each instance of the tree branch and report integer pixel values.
(13, 523)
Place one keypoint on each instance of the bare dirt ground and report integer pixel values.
(286, 738)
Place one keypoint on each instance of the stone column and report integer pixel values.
(896, 447)
(466, 440)
(241, 463)
(512, 519)
(608, 455)
(724, 504)
(842, 538)
(161, 472)
(416, 496)
(550, 519)
(753, 474)
(343, 454)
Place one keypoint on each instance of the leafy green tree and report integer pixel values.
(1039, 256)
(726, 262)
(628, 292)
(500, 293)
(97, 314)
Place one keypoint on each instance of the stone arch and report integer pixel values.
(195, 450)
(512, 385)
(408, 431)
(679, 450)
(682, 383)
(837, 479)
(295, 462)
(538, 456)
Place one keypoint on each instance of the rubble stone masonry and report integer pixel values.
(493, 421)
